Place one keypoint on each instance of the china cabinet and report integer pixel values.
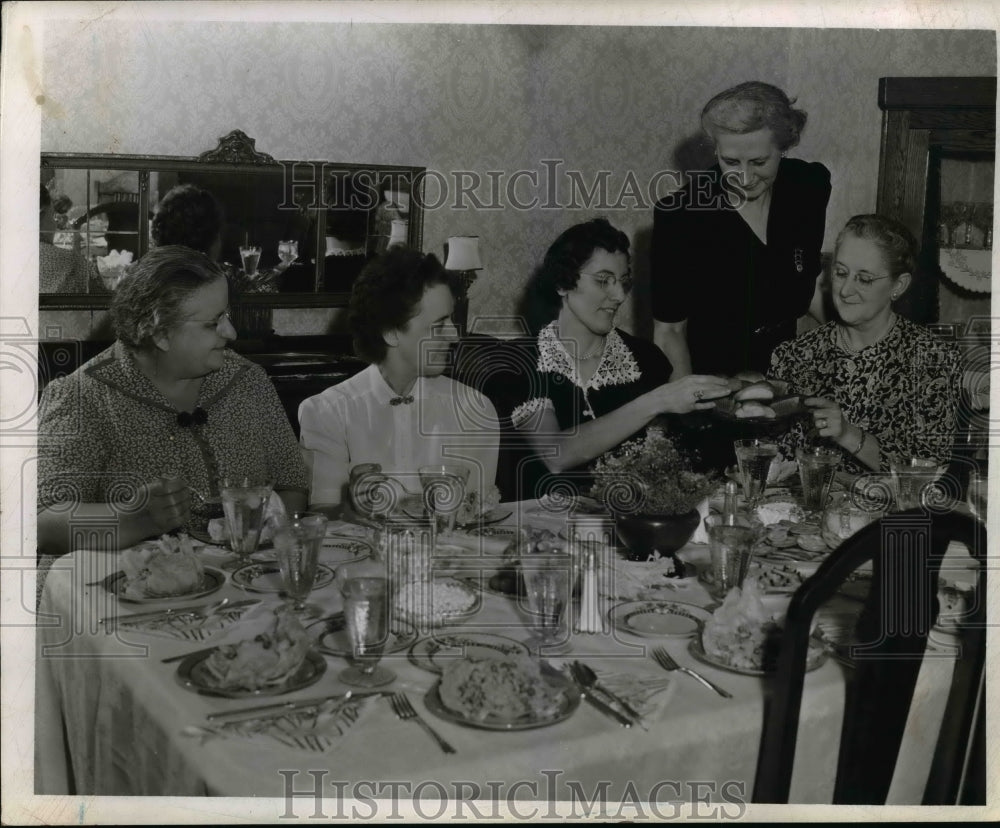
(337, 215)
(936, 173)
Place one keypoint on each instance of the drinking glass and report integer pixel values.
(976, 494)
(250, 255)
(547, 580)
(911, 478)
(244, 503)
(817, 467)
(298, 541)
(366, 611)
(754, 457)
(731, 548)
(288, 251)
(444, 492)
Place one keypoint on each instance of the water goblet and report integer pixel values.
(547, 582)
(817, 468)
(366, 611)
(976, 494)
(244, 503)
(250, 254)
(754, 457)
(444, 492)
(912, 478)
(297, 541)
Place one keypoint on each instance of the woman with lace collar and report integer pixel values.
(588, 385)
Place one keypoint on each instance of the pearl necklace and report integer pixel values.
(591, 354)
(852, 350)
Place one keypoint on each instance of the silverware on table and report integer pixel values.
(666, 661)
(182, 656)
(404, 710)
(597, 702)
(173, 612)
(281, 708)
(588, 678)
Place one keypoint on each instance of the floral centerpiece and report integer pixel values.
(650, 487)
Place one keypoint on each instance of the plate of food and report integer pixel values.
(271, 656)
(743, 634)
(263, 577)
(755, 399)
(163, 569)
(502, 693)
(436, 601)
(435, 652)
(658, 619)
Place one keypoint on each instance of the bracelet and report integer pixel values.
(861, 444)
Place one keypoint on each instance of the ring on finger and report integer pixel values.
(821, 423)
(699, 394)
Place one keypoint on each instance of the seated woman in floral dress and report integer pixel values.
(142, 433)
(587, 386)
(878, 385)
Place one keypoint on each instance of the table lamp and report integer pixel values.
(463, 258)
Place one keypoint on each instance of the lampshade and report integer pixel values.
(398, 233)
(463, 253)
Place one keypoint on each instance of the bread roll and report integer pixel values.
(756, 391)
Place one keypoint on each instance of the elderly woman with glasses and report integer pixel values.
(736, 252)
(587, 386)
(142, 433)
(877, 384)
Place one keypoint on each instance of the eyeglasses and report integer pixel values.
(213, 323)
(609, 281)
(863, 279)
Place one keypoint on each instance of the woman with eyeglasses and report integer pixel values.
(736, 251)
(878, 385)
(148, 427)
(585, 386)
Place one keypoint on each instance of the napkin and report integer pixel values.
(475, 543)
(184, 627)
(701, 533)
(639, 580)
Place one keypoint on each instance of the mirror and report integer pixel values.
(325, 220)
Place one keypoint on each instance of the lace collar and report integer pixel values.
(617, 366)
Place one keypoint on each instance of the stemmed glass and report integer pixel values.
(250, 254)
(754, 457)
(976, 494)
(244, 503)
(373, 498)
(444, 492)
(366, 611)
(547, 580)
(298, 541)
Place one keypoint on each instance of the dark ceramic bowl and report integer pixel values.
(643, 534)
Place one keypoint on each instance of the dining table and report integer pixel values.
(115, 716)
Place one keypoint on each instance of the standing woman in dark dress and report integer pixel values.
(736, 252)
(586, 386)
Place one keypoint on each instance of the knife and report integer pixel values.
(252, 712)
(603, 706)
(112, 620)
(591, 682)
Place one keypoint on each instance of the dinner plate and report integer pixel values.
(815, 657)
(346, 550)
(192, 675)
(433, 652)
(658, 619)
(267, 577)
(338, 642)
(570, 702)
(212, 581)
(412, 507)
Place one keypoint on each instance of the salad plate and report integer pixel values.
(212, 581)
(259, 577)
(658, 619)
(433, 652)
(815, 658)
(192, 675)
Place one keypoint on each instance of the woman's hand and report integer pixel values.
(169, 504)
(828, 418)
(692, 393)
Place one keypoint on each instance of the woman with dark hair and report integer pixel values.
(401, 412)
(189, 216)
(163, 414)
(736, 252)
(588, 386)
(878, 385)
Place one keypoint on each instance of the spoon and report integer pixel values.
(588, 678)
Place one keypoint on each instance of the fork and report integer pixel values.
(404, 710)
(666, 661)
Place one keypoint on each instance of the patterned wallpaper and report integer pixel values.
(490, 100)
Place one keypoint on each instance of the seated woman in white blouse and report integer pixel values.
(400, 412)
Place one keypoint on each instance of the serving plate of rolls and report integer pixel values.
(756, 400)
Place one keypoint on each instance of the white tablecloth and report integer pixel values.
(110, 716)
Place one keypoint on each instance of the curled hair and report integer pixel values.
(188, 215)
(899, 248)
(751, 106)
(147, 301)
(386, 294)
(560, 269)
